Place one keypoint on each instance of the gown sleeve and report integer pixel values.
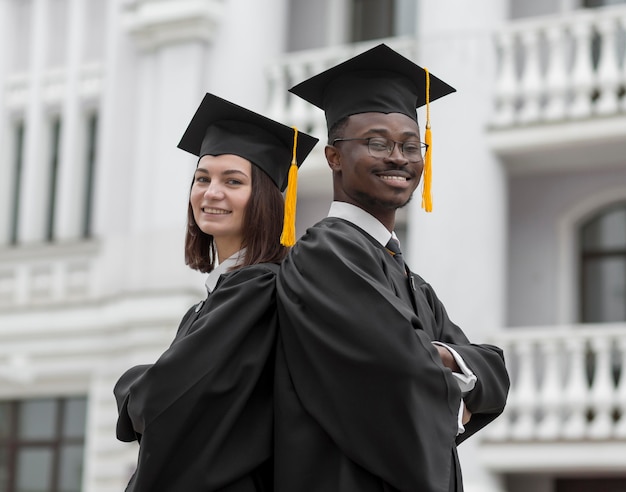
(204, 408)
(361, 365)
(488, 397)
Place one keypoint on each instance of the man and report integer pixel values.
(375, 385)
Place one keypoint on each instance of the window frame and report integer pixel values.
(13, 443)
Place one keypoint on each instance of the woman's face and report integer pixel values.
(221, 189)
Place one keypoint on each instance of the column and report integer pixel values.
(7, 161)
(71, 175)
(460, 247)
(35, 174)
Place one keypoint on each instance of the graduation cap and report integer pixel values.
(220, 127)
(379, 80)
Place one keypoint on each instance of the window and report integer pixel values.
(375, 19)
(18, 153)
(55, 135)
(603, 266)
(601, 3)
(41, 444)
(90, 162)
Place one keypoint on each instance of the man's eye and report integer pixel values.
(411, 148)
(378, 145)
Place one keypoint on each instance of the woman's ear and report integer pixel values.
(333, 157)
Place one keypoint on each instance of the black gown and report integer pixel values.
(363, 402)
(203, 412)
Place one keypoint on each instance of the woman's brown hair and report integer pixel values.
(262, 226)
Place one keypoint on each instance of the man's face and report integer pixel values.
(379, 185)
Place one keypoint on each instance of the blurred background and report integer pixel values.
(526, 245)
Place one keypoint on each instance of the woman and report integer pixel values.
(203, 412)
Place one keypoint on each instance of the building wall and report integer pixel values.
(541, 236)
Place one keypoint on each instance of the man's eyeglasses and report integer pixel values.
(383, 147)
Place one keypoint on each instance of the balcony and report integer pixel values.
(560, 92)
(46, 275)
(567, 405)
(295, 67)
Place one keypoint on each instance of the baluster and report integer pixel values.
(524, 401)
(582, 74)
(556, 77)
(531, 85)
(277, 83)
(299, 111)
(576, 391)
(318, 127)
(601, 390)
(620, 392)
(506, 84)
(608, 69)
(551, 393)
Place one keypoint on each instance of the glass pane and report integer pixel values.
(605, 290)
(74, 417)
(71, 468)
(4, 468)
(404, 22)
(34, 470)
(608, 231)
(5, 420)
(372, 19)
(37, 419)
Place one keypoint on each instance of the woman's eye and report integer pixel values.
(234, 182)
(202, 179)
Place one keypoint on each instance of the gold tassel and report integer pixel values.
(288, 237)
(427, 199)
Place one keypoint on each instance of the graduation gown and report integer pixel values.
(362, 400)
(203, 412)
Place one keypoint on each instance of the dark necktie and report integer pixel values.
(394, 250)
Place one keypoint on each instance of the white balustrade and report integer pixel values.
(28, 279)
(292, 69)
(561, 67)
(567, 383)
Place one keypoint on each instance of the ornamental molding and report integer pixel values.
(156, 23)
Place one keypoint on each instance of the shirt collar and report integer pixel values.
(362, 219)
(223, 267)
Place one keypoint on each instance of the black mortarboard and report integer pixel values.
(221, 127)
(379, 80)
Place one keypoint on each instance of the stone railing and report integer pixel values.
(567, 66)
(567, 383)
(43, 275)
(293, 68)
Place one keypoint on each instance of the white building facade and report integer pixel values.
(526, 245)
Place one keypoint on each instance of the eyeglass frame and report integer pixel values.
(423, 146)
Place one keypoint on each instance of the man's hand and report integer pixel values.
(447, 359)
(467, 415)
